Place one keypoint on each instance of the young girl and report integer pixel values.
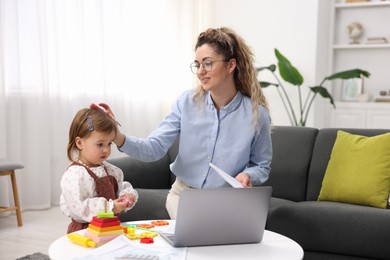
(90, 182)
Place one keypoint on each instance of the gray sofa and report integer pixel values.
(325, 230)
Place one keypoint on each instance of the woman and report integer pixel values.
(224, 121)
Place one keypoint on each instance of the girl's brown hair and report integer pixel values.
(85, 121)
(229, 44)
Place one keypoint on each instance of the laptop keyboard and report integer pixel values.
(138, 257)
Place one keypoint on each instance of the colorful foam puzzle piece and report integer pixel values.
(131, 230)
(115, 218)
(124, 229)
(100, 240)
(103, 234)
(146, 240)
(105, 224)
(104, 229)
(160, 223)
(145, 225)
(133, 236)
(102, 214)
(148, 234)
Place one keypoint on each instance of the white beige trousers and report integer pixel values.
(172, 202)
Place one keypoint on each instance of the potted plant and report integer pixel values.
(291, 75)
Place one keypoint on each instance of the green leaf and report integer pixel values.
(291, 75)
(324, 93)
(349, 74)
(265, 84)
(288, 72)
(271, 67)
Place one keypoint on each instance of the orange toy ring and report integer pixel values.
(145, 225)
(160, 223)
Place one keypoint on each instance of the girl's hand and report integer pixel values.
(119, 206)
(245, 179)
(129, 198)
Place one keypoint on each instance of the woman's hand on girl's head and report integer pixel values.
(120, 138)
(104, 107)
(107, 109)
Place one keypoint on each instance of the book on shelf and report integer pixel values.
(376, 40)
(382, 99)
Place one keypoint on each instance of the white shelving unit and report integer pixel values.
(360, 115)
(374, 16)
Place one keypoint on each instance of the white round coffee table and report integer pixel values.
(273, 246)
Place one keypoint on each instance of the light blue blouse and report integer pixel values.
(228, 139)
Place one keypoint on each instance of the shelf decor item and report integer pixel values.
(376, 40)
(354, 32)
(352, 89)
(380, 98)
(291, 75)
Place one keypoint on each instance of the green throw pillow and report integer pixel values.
(358, 171)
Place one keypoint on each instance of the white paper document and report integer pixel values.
(229, 179)
(124, 248)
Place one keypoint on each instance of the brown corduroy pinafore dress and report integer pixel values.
(106, 187)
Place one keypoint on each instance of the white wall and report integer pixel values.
(289, 26)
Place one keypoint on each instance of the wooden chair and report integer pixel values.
(8, 167)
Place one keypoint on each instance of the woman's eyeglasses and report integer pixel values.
(207, 65)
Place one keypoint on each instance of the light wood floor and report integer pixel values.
(40, 228)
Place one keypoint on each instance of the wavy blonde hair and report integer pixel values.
(230, 45)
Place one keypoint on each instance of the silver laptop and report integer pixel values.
(220, 216)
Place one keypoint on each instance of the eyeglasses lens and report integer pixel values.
(206, 65)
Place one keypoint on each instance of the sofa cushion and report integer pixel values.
(334, 228)
(358, 171)
(292, 149)
(277, 202)
(321, 155)
(150, 206)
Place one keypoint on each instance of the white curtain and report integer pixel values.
(58, 56)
